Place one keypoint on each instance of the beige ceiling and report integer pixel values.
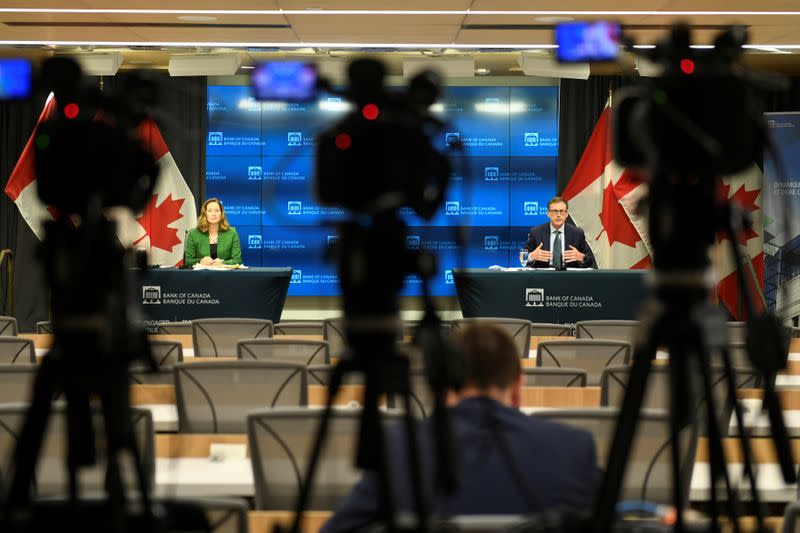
(439, 31)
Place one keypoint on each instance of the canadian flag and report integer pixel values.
(160, 229)
(603, 198)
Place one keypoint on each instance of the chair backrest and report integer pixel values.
(280, 445)
(333, 333)
(615, 330)
(544, 329)
(299, 328)
(166, 354)
(520, 330)
(791, 518)
(295, 351)
(222, 514)
(16, 382)
(422, 398)
(8, 326)
(174, 328)
(51, 474)
(215, 397)
(614, 385)
(17, 350)
(584, 354)
(738, 355)
(554, 377)
(321, 375)
(44, 327)
(649, 468)
(217, 337)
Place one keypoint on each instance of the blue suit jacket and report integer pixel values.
(557, 462)
(573, 236)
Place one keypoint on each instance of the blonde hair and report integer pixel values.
(202, 220)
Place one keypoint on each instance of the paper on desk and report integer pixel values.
(198, 266)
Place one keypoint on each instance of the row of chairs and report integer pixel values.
(280, 441)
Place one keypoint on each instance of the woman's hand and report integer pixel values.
(217, 262)
(206, 261)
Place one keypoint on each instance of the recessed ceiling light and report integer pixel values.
(482, 71)
(196, 18)
(553, 20)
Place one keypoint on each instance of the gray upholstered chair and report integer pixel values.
(217, 337)
(167, 354)
(214, 397)
(174, 328)
(17, 350)
(554, 377)
(520, 330)
(305, 352)
(615, 330)
(584, 354)
(299, 328)
(8, 326)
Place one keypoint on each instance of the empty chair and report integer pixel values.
(166, 354)
(794, 333)
(217, 337)
(584, 354)
(8, 326)
(422, 398)
(614, 385)
(410, 328)
(16, 382)
(333, 333)
(44, 327)
(648, 476)
(17, 350)
(299, 328)
(174, 328)
(520, 330)
(280, 445)
(51, 474)
(296, 351)
(616, 330)
(543, 329)
(554, 377)
(215, 397)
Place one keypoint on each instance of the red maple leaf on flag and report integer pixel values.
(616, 224)
(744, 199)
(156, 220)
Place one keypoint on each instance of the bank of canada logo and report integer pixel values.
(254, 242)
(491, 173)
(151, 294)
(448, 277)
(531, 208)
(452, 139)
(253, 173)
(294, 138)
(293, 207)
(534, 297)
(491, 100)
(253, 104)
(531, 139)
(333, 240)
(491, 242)
(215, 138)
(412, 242)
(297, 276)
(452, 208)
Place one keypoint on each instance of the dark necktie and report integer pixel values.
(557, 250)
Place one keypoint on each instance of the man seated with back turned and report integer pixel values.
(507, 462)
(556, 243)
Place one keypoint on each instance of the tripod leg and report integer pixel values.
(29, 444)
(415, 464)
(677, 420)
(717, 454)
(608, 493)
(744, 439)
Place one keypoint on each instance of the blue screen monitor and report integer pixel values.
(580, 42)
(15, 79)
(287, 81)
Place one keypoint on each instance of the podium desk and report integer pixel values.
(550, 296)
(174, 295)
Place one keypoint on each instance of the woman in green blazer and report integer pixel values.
(213, 242)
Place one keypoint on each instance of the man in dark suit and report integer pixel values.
(556, 243)
(507, 462)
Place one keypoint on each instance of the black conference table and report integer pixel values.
(173, 295)
(550, 296)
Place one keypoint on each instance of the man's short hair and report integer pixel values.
(488, 356)
(556, 200)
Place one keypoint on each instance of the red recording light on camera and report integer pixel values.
(687, 66)
(71, 111)
(343, 141)
(370, 111)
